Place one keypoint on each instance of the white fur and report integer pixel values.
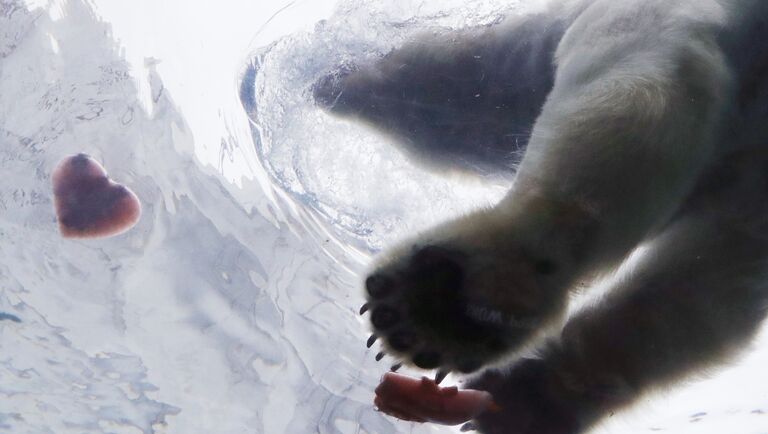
(639, 119)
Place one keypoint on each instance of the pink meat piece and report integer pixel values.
(422, 400)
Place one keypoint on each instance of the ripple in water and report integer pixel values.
(353, 176)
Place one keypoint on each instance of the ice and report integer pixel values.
(231, 307)
(218, 312)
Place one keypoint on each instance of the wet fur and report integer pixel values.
(639, 122)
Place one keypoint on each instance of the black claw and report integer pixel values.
(379, 356)
(364, 308)
(371, 341)
(384, 317)
(440, 376)
(427, 360)
(378, 286)
(396, 367)
(469, 426)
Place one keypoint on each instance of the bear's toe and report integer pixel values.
(419, 309)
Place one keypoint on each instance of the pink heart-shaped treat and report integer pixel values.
(88, 204)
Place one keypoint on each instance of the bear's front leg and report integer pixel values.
(469, 291)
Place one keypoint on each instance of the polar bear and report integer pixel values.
(626, 123)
